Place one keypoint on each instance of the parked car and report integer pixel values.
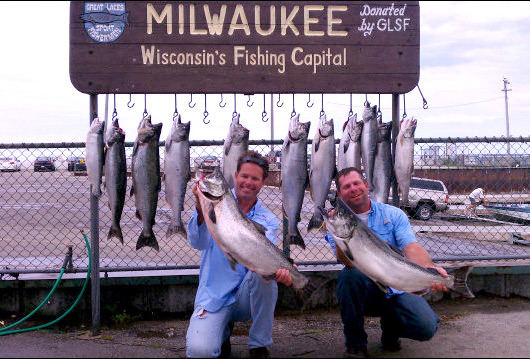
(9, 163)
(426, 197)
(76, 163)
(44, 163)
(207, 163)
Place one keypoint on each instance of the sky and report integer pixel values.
(466, 49)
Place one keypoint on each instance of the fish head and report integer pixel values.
(116, 134)
(97, 126)
(147, 131)
(369, 112)
(356, 130)
(342, 223)
(408, 127)
(298, 130)
(384, 131)
(325, 128)
(213, 185)
(180, 130)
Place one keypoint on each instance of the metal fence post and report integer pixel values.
(94, 242)
(395, 131)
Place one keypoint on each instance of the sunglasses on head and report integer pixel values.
(256, 160)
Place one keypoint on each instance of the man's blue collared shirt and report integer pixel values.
(217, 281)
(391, 224)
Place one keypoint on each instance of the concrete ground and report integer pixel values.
(482, 327)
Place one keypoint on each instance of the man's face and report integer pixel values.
(354, 191)
(249, 181)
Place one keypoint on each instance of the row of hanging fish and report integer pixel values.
(364, 144)
(105, 153)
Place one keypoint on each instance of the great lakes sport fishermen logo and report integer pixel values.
(105, 21)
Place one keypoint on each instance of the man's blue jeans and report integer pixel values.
(402, 315)
(255, 300)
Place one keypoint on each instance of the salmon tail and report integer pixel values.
(115, 231)
(460, 285)
(296, 239)
(305, 295)
(176, 229)
(315, 222)
(147, 241)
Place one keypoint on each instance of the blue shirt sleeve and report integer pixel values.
(402, 229)
(198, 235)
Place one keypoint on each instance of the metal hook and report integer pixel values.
(278, 103)
(129, 103)
(252, 104)
(221, 104)
(176, 112)
(114, 113)
(308, 101)
(235, 107)
(366, 103)
(351, 106)
(145, 106)
(322, 113)
(264, 113)
(191, 100)
(205, 113)
(379, 113)
(424, 100)
(404, 108)
(294, 112)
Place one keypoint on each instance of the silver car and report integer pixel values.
(10, 163)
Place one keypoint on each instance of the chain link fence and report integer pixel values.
(45, 204)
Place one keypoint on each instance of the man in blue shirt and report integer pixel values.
(402, 314)
(225, 296)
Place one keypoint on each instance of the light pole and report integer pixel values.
(505, 90)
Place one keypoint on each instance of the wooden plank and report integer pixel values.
(329, 46)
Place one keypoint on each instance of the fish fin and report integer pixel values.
(307, 184)
(227, 145)
(317, 144)
(460, 285)
(348, 254)
(346, 145)
(259, 227)
(147, 241)
(400, 252)
(138, 215)
(132, 190)
(232, 261)
(115, 232)
(211, 214)
(163, 177)
(296, 239)
(176, 229)
(381, 286)
(315, 222)
(422, 292)
(167, 145)
(267, 278)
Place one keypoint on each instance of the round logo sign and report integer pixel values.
(105, 21)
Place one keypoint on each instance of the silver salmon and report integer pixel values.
(369, 142)
(115, 176)
(241, 239)
(235, 144)
(404, 157)
(383, 164)
(294, 176)
(322, 168)
(177, 173)
(382, 263)
(349, 152)
(146, 184)
(95, 156)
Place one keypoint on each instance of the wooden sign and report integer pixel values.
(244, 47)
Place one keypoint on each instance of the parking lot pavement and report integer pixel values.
(482, 327)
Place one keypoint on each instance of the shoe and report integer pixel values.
(360, 352)
(260, 352)
(226, 349)
(390, 344)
